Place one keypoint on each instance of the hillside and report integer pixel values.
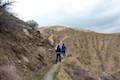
(91, 56)
(24, 54)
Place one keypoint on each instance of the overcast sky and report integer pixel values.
(97, 15)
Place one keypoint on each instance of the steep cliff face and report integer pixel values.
(90, 55)
(24, 54)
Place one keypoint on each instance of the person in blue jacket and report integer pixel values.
(58, 53)
(63, 49)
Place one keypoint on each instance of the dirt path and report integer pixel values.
(50, 74)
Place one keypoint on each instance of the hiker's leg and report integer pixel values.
(64, 54)
(57, 57)
(60, 57)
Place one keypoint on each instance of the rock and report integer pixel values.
(26, 32)
(25, 59)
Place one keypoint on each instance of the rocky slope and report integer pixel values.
(27, 55)
(24, 54)
(91, 55)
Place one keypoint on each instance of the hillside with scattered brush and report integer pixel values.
(28, 54)
(90, 55)
(24, 53)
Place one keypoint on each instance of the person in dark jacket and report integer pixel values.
(58, 53)
(63, 49)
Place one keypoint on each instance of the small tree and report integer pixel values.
(4, 4)
(33, 24)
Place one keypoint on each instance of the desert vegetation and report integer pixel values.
(95, 54)
(27, 54)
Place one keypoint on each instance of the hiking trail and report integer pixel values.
(50, 74)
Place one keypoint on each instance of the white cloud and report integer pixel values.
(27, 8)
(110, 29)
(93, 14)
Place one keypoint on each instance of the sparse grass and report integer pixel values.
(55, 75)
(94, 51)
(69, 55)
(40, 76)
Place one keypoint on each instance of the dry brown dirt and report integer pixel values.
(24, 54)
(27, 55)
(91, 55)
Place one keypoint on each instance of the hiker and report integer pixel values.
(58, 53)
(63, 49)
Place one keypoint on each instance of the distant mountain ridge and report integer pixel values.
(94, 55)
